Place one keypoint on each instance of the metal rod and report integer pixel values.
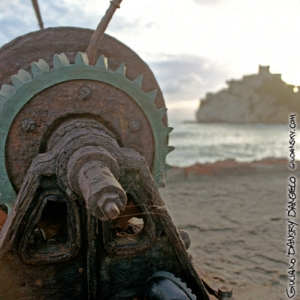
(97, 36)
(37, 12)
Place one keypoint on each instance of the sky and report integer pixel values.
(192, 46)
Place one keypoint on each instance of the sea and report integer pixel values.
(211, 142)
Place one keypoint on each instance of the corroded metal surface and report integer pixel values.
(37, 103)
(112, 107)
(22, 51)
(103, 253)
(82, 154)
(38, 13)
(97, 36)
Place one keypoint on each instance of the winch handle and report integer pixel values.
(97, 36)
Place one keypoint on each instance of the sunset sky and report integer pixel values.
(192, 46)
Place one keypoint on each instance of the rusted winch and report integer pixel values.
(83, 149)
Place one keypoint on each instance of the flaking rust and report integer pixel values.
(83, 144)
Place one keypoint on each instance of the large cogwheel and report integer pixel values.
(37, 103)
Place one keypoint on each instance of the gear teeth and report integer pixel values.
(162, 112)
(152, 95)
(167, 167)
(81, 59)
(121, 69)
(138, 81)
(176, 280)
(168, 130)
(116, 78)
(191, 295)
(40, 67)
(102, 62)
(169, 149)
(21, 78)
(60, 60)
(7, 91)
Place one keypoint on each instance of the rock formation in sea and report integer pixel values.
(257, 98)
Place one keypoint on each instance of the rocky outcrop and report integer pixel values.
(258, 98)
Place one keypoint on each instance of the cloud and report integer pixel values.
(208, 2)
(18, 18)
(121, 26)
(183, 77)
(14, 17)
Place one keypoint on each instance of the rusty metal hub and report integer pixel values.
(82, 154)
(39, 103)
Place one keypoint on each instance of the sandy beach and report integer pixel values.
(235, 214)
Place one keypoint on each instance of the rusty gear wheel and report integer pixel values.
(36, 104)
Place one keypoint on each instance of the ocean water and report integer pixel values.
(208, 143)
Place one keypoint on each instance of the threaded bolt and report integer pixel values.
(225, 293)
(111, 210)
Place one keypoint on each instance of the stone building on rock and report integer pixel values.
(259, 98)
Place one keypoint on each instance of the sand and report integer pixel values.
(235, 214)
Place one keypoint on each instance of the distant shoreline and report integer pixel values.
(224, 122)
(228, 166)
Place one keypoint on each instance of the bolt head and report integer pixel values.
(135, 126)
(28, 125)
(84, 93)
(225, 293)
